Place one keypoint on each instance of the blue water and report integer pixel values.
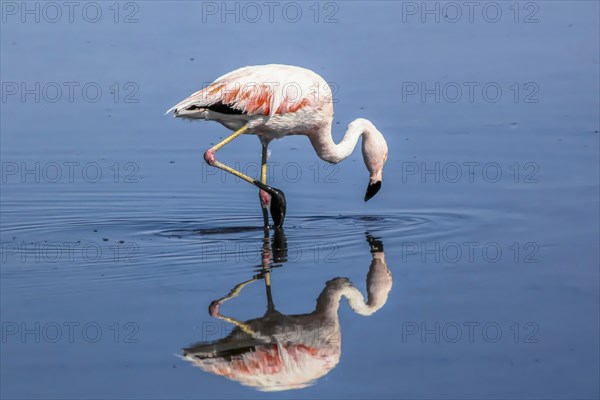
(116, 237)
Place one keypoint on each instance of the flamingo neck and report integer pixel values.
(328, 302)
(329, 151)
(379, 284)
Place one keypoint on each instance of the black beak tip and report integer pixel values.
(372, 190)
(375, 243)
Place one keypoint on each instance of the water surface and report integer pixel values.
(116, 237)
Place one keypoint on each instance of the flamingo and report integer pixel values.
(282, 352)
(273, 101)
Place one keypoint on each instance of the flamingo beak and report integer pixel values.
(278, 203)
(375, 243)
(372, 190)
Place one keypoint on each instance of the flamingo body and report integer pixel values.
(281, 352)
(273, 101)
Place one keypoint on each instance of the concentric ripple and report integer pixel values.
(137, 250)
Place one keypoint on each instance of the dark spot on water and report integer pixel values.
(95, 230)
(171, 162)
(370, 218)
(105, 239)
(13, 43)
(174, 366)
(121, 241)
(362, 108)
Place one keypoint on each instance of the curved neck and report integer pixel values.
(329, 151)
(379, 284)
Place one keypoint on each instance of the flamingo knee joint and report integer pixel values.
(209, 157)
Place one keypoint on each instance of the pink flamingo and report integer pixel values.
(273, 101)
(282, 352)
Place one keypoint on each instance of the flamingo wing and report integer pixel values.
(259, 90)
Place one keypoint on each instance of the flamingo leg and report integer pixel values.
(267, 257)
(213, 309)
(264, 196)
(209, 155)
(242, 325)
(278, 203)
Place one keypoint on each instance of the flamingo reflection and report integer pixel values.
(282, 352)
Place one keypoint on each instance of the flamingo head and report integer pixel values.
(375, 153)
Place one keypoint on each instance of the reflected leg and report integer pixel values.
(213, 309)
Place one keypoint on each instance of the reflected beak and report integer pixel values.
(372, 190)
(375, 243)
